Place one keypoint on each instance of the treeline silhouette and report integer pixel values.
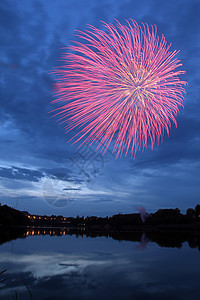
(12, 217)
(162, 217)
(166, 227)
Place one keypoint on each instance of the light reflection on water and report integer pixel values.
(80, 267)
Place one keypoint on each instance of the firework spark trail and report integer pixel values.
(120, 84)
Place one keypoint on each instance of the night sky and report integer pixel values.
(39, 171)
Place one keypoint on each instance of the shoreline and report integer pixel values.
(96, 228)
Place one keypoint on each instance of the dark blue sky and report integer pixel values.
(39, 172)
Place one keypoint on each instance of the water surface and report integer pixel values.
(80, 267)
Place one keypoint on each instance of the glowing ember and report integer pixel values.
(119, 87)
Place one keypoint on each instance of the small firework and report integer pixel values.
(119, 87)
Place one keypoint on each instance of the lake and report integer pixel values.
(73, 266)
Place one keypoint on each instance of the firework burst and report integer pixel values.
(119, 87)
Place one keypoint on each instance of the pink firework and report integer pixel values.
(119, 87)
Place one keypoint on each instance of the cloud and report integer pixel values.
(20, 173)
(71, 189)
